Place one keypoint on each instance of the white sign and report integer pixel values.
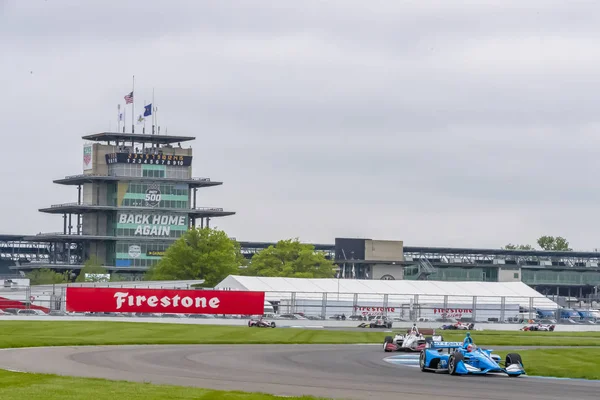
(135, 251)
(153, 225)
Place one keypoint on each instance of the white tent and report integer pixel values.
(388, 293)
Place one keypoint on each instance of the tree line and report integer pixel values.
(209, 254)
(548, 243)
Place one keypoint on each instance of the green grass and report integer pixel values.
(19, 386)
(560, 363)
(574, 363)
(54, 333)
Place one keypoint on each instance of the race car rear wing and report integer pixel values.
(446, 345)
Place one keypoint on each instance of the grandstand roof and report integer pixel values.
(136, 137)
(519, 292)
(89, 178)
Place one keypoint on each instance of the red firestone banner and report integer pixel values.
(164, 301)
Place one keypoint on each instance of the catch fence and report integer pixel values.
(344, 306)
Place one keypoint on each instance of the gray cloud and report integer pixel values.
(423, 121)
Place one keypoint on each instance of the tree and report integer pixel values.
(557, 243)
(291, 259)
(94, 269)
(511, 246)
(45, 276)
(201, 253)
(548, 243)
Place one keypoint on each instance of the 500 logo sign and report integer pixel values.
(153, 196)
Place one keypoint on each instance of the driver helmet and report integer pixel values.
(469, 348)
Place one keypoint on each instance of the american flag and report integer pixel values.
(129, 98)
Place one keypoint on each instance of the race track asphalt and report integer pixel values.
(331, 371)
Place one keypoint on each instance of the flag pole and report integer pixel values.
(152, 111)
(133, 106)
(144, 128)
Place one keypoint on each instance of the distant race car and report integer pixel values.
(413, 340)
(538, 327)
(466, 358)
(379, 322)
(458, 326)
(260, 323)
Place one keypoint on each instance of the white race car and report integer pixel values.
(413, 340)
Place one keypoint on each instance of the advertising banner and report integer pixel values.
(88, 155)
(152, 224)
(164, 301)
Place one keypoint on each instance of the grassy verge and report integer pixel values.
(52, 333)
(561, 363)
(18, 386)
(573, 363)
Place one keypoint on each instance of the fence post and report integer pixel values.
(502, 308)
(531, 308)
(324, 306)
(355, 303)
(28, 297)
(385, 304)
(445, 312)
(474, 313)
(293, 303)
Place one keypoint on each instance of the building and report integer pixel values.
(135, 197)
(404, 299)
(564, 273)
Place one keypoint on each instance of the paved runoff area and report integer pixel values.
(332, 371)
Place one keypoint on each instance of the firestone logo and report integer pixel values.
(452, 311)
(165, 301)
(375, 309)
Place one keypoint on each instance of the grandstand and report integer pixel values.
(564, 273)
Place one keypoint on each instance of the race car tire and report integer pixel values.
(513, 358)
(388, 339)
(453, 361)
(273, 325)
(422, 361)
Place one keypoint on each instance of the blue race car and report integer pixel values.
(465, 358)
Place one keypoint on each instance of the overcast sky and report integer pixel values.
(439, 124)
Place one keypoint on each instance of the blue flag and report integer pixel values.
(148, 110)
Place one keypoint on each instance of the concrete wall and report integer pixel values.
(100, 167)
(95, 224)
(384, 250)
(379, 270)
(506, 274)
(97, 249)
